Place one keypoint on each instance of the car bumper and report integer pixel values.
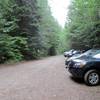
(67, 62)
(76, 72)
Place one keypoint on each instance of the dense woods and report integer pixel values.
(28, 31)
(83, 24)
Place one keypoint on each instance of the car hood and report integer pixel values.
(74, 57)
(79, 60)
(82, 57)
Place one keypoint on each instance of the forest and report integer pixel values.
(83, 24)
(28, 30)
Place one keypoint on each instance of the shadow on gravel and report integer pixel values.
(80, 81)
(77, 80)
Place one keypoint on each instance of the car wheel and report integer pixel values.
(92, 77)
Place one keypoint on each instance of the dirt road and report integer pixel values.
(45, 79)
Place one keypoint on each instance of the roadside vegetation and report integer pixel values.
(83, 24)
(28, 31)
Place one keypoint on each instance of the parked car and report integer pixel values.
(66, 53)
(86, 54)
(71, 58)
(87, 68)
(71, 53)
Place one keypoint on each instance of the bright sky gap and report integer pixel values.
(59, 9)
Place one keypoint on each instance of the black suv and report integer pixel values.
(87, 68)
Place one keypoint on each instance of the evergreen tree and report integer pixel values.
(84, 24)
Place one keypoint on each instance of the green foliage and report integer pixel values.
(50, 30)
(11, 48)
(83, 27)
(28, 31)
(63, 42)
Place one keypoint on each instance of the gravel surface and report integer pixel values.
(45, 79)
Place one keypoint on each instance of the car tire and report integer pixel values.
(92, 77)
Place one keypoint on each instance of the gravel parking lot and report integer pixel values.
(45, 79)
